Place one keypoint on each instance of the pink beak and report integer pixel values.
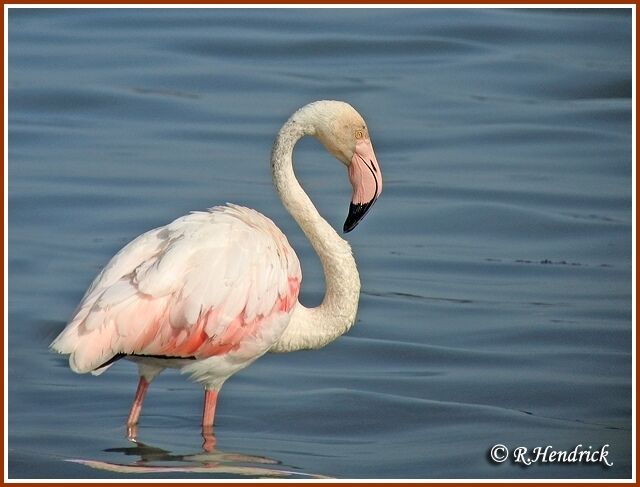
(366, 180)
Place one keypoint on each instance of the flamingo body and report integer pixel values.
(216, 286)
(213, 291)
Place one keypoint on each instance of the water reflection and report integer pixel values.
(151, 459)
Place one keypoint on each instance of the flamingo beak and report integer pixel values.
(366, 180)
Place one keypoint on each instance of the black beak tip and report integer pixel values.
(356, 214)
(348, 226)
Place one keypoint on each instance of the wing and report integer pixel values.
(204, 285)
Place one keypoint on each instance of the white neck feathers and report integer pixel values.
(314, 327)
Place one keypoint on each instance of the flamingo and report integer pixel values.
(214, 290)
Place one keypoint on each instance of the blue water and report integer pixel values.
(496, 267)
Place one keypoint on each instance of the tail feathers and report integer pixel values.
(92, 339)
(65, 342)
(86, 351)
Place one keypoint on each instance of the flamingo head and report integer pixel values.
(344, 133)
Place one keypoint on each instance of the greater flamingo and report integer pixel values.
(213, 291)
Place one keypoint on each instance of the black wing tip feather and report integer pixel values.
(118, 356)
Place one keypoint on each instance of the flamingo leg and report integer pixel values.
(136, 407)
(209, 411)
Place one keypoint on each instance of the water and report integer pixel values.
(496, 267)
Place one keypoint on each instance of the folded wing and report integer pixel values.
(207, 284)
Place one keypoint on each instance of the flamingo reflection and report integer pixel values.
(151, 459)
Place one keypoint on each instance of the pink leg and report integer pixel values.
(210, 398)
(136, 407)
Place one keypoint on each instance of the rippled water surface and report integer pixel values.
(496, 267)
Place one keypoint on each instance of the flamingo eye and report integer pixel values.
(359, 134)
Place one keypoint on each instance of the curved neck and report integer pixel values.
(314, 327)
